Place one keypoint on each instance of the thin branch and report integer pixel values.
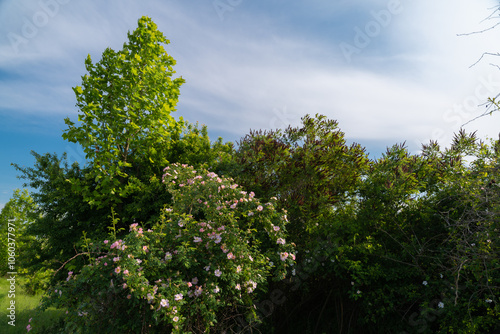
(85, 253)
(485, 54)
(480, 31)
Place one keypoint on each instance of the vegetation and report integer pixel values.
(290, 231)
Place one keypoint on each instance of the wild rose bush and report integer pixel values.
(206, 260)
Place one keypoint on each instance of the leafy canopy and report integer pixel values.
(125, 121)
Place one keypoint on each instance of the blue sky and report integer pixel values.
(389, 71)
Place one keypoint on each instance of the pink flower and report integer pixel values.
(145, 248)
(283, 256)
(28, 327)
(280, 241)
(195, 280)
(197, 239)
(125, 272)
(164, 303)
(276, 228)
(106, 242)
(230, 256)
(260, 208)
(189, 284)
(117, 270)
(178, 296)
(217, 272)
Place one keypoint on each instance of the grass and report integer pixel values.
(25, 309)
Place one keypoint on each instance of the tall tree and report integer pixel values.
(127, 131)
(125, 123)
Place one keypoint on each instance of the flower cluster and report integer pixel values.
(215, 242)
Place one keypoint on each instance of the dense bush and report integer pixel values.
(204, 262)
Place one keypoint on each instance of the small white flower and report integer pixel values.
(424, 282)
(441, 305)
(489, 300)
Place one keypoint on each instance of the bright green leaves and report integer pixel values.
(125, 103)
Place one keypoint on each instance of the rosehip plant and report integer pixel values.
(205, 261)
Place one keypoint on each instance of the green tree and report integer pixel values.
(128, 135)
(310, 169)
(62, 215)
(18, 214)
(125, 123)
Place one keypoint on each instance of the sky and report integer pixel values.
(389, 71)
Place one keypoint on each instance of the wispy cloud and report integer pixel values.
(260, 60)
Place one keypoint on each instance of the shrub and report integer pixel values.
(204, 262)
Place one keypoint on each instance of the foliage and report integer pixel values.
(16, 216)
(125, 103)
(419, 251)
(61, 214)
(128, 134)
(394, 240)
(157, 276)
(310, 169)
